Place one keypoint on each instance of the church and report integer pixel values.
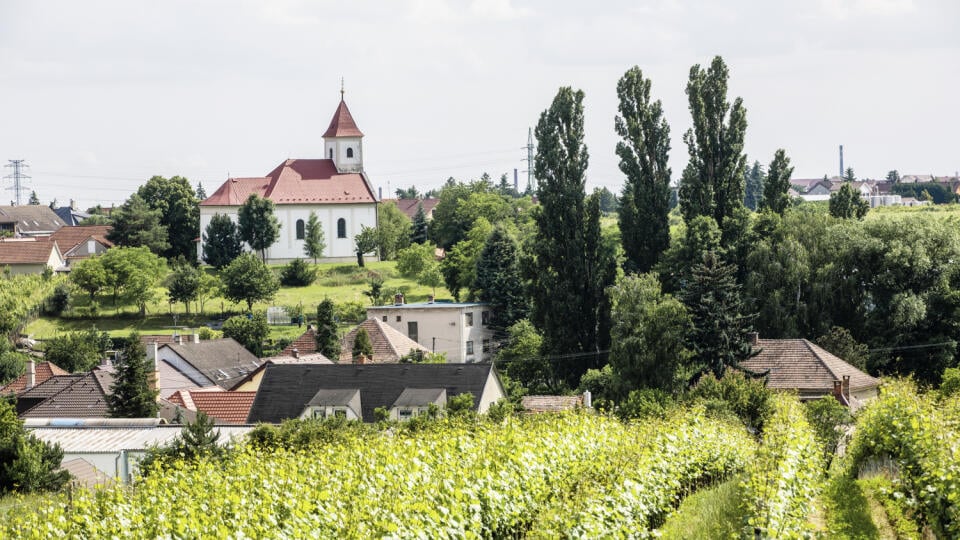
(336, 188)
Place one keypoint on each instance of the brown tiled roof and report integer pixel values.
(296, 181)
(44, 370)
(161, 339)
(26, 251)
(342, 124)
(69, 237)
(798, 364)
(541, 404)
(51, 386)
(388, 344)
(409, 206)
(85, 398)
(227, 407)
(305, 344)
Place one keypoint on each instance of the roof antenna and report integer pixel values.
(341, 89)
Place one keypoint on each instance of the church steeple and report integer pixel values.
(343, 140)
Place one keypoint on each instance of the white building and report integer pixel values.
(460, 330)
(336, 188)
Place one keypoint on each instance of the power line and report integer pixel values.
(914, 347)
(18, 177)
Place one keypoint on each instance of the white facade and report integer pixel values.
(460, 331)
(346, 153)
(288, 246)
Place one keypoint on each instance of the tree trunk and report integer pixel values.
(360, 259)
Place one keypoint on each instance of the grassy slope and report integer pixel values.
(710, 513)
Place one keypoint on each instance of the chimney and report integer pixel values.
(31, 374)
(196, 337)
(754, 338)
(838, 390)
(179, 339)
(152, 353)
(361, 359)
(587, 400)
(846, 386)
(398, 299)
(296, 353)
(430, 299)
(73, 204)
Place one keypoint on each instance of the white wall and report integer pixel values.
(445, 323)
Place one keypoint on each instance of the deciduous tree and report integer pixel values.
(179, 211)
(221, 241)
(365, 242)
(393, 230)
(136, 224)
(259, 227)
(247, 279)
(250, 332)
(847, 203)
(183, 284)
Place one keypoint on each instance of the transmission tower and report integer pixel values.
(18, 177)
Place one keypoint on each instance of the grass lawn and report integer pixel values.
(713, 512)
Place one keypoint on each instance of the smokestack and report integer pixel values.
(841, 161)
(754, 338)
(516, 184)
(31, 374)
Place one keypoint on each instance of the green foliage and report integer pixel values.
(754, 178)
(521, 359)
(351, 312)
(847, 509)
(298, 274)
(413, 259)
(89, 275)
(251, 332)
(136, 224)
(375, 291)
(183, 284)
(258, 225)
(499, 280)
(826, 416)
(77, 352)
(713, 183)
(197, 440)
(462, 205)
(247, 279)
(365, 242)
(840, 342)
(27, 464)
(644, 155)
(362, 346)
(649, 336)
(133, 272)
(205, 333)
(418, 230)
(748, 399)
(179, 212)
(313, 239)
(222, 242)
(700, 235)
(939, 193)
(777, 184)
(431, 277)
(646, 403)
(12, 365)
(461, 404)
(59, 300)
(847, 203)
(604, 386)
(393, 230)
(131, 395)
(328, 343)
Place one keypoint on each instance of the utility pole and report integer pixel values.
(18, 177)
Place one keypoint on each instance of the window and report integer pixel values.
(339, 412)
(468, 319)
(301, 230)
(341, 228)
(331, 153)
(485, 318)
(349, 152)
(399, 318)
(405, 414)
(486, 345)
(469, 347)
(412, 332)
(384, 318)
(318, 412)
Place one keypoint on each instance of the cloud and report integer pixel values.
(846, 9)
(501, 10)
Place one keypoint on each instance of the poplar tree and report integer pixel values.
(259, 227)
(713, 183)
(571, 265)
(644, 153)
(328, 344)
(754, 178)
(131, 395)
(775, 196)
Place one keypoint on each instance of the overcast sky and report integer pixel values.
(99, 96)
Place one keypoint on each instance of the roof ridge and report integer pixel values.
(810, 347)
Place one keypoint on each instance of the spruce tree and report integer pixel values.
(572, 265)
(713, 299)
(419, 233)
(499, 281)
(362, 346)
(201, 193)
(713, 183)
(131, 395)
(775, 196)
(221, 241)
(644, 153)
(847, 203)
(259, 227)
(313, 242)
(34, 200)
(328, 344)
(754, 180)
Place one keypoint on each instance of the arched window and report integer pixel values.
(341, 228)
(331, 153)
(300, 230)
(349, 152)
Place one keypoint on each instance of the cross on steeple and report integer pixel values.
(341, 88)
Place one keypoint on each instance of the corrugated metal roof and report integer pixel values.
(79, 439)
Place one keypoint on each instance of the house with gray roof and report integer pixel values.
(191, 363)
(405, 390)
(29, 220)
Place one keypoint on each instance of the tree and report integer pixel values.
(313, 239)
(572, 266)
(34, 200)
(499, 280)
(328, 343)
(841, 343)
(131, 395)
(197, 439)
(247, 279)
(713, 183)
(413, 259)
(298, 274)
(12, 365)
(459, 266)
(29, 464)
(644, 154)
(649, 336)
(754, 178)
(179, 211)
(409, 193)
(893, 176)
(89, 275)
(136, 224)
(375, 292)
(775, 196)
(365, 242)
(183, 284)
(201, 193)
(846, 203)
(362, 346)
(418, 234)
(209, 287)
(221, 241)
(848, 175)
(720, 327)
(259, 228)
(133, 271)
(393, 230)
(250, 332)
(77, 352)
(521, 359)
(431, 276)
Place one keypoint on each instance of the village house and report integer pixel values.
(335, 187)
(389, 344)
(82, 242)
(461, 330)
(191, 363)
(30, 256)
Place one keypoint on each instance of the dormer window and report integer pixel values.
(349, 152)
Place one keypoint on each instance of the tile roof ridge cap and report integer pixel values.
(812, 347)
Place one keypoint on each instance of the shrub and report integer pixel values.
(747, 398)
(950, 383)
(825, 416)
(645, 403)
(460, 404)
(298, 274)
(207, 333)
(59, 300)
(77, 352)
(249, 332)
(351, 312)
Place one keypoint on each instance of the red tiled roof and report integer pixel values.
(388, 344)
(798, 364)
(26, 252)
(542, 404)
(227, 407)
(69, 237)
(342, 124)
(305, 344)
(44, 371)
(409, 206)
(296, 181)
